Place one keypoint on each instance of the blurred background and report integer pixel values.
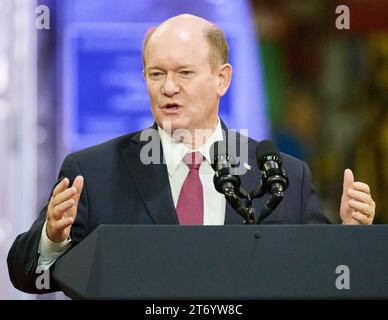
(71, 76)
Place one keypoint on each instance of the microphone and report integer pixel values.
(222, 163)
(274, 178)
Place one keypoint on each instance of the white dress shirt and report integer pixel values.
(174, 151)
(49, 251)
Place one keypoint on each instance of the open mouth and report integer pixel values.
(171, 106)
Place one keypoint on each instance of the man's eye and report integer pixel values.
(185, 72)
(156, 74)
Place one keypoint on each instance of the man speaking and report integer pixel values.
(187, 72)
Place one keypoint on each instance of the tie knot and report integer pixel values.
(193, 160)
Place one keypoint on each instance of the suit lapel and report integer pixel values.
(231, 216)
(151, 180)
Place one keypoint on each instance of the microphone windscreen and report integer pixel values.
(267, 148)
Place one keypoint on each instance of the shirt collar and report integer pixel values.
(174, 151)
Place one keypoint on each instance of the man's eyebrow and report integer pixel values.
(153, 68)
(184, 66)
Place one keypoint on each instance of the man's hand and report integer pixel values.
(62, 209)
(357, 205)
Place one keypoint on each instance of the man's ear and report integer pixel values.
(224, 74)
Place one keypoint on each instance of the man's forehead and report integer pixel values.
(168, 35)
(176, 58)
(180, 47)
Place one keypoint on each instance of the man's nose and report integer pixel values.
(170, 86)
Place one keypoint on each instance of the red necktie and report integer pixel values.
(190, 202)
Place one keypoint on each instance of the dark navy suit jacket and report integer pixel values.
(120, 189)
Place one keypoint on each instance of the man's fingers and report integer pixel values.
(357, 205)
(348, 179)
(61, 208)
(74, 191)
(61, 186)
(359, 196)
(78, 184)
(360, 186)
(363, 208)
(62, 224)
(361, 218)
(63, 196)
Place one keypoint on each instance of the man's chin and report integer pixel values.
(173, 126)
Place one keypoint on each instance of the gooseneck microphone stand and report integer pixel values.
(273, 182)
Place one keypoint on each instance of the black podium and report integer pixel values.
(227, 262)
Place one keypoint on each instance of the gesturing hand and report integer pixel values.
(62, 209)
(357, 205)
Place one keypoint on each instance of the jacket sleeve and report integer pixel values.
(312, 212)
(23, 255)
